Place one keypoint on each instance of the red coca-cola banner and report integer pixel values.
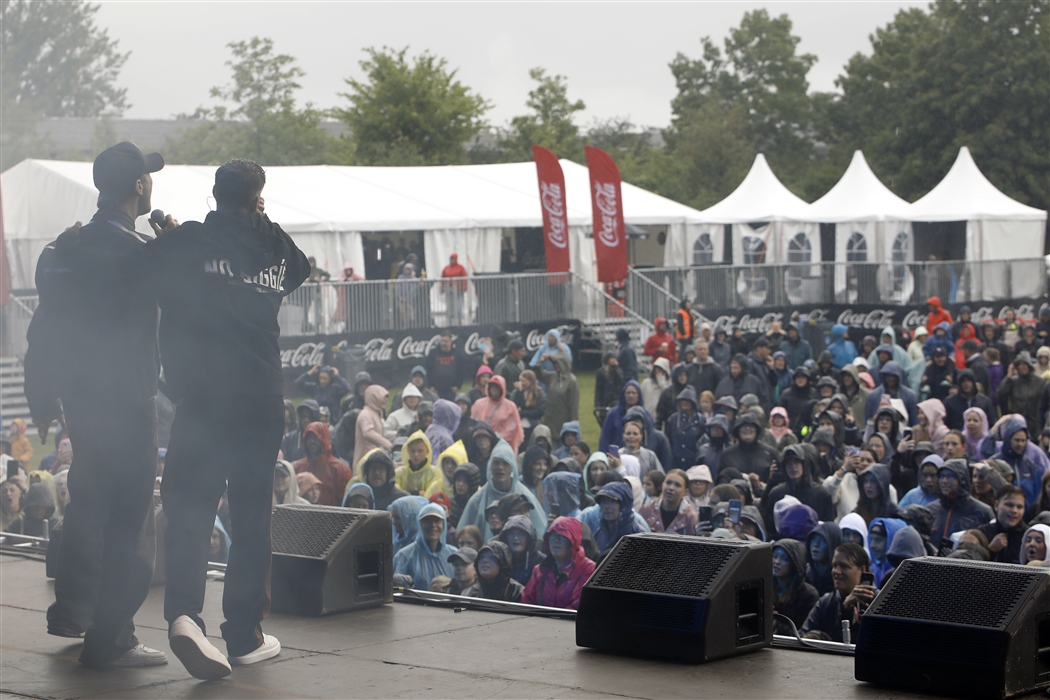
(555, 215)
(610, 236)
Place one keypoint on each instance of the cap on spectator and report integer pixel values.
(515, 345)
(425, 408)
(491, 508)
(749, 400)
(118, 167)
(762, 342)
(802, 369)
(285, 468)
(517, 501)
(465, 555)
(921, 332)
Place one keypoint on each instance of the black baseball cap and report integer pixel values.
(117, 168)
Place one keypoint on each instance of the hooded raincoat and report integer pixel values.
(612, 428)
(903, 392)
(653, 385)
(388, 492)
(569, 428)
(842, 350)
(333, 472)
(957, 510)
(819, 575)
(446, 421)
(563, 393)
(407, 510)
(710, 453)
(880, 567)
(503, 587)
(521, 566)
(1029, 473)
(369, 432)
(684, 430)
(799, 596)
(474, 511)
(550, 350)
(560, 586)
(417, 479)
(501, 414)
(418, 560)
(608, 533)
(807, 490)
(458, 454)
(934, 411)
(403, 417)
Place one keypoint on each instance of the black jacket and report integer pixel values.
(1011, 554)
(444, 372)
(809, 491)
(220, 286)
(94, 332)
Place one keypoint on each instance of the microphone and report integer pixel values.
(158, 217)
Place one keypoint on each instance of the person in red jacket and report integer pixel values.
(333, 472)
(557, 581)
(455, 291)
(936, 314)
(661, 343)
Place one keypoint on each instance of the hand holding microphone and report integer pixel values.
(161, 223)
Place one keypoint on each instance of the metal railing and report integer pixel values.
(720, 287)
(383, 305)
(18, 316)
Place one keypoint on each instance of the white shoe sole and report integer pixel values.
(141, 662)
(197, 661)
(267, 651)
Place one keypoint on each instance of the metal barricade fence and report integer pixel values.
(720, 287)
(381, 305)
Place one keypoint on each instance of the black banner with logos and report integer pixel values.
(389, 357)
(817, 319)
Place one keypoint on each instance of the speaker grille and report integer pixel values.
(669, 567)
(958, 594)
(309, 531)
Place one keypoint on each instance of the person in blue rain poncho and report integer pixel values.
(549, 348)
(842, 350)
(503, 479)
(405, 520)
(880, 539)
(428, 555)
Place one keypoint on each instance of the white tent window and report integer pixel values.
(857, 248)
(754, 250)
(901, 244)
(799, 249)
(703, 250)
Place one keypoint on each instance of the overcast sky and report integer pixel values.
(615, 55)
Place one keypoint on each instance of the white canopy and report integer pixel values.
(460, 209)
(760, 197)
(859, 196)
(997, 227)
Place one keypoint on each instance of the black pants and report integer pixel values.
(105, 561)
(215, 440)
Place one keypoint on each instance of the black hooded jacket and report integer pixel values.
(521, 566)
(503, 587)
(957, 404)
(821, 578)
(809, 491)
(748, 457)
(220, 286)
(800, 597)
(741, 385)
(958, 511)
(798, 402)
(388, 492)
(472, 474)
(668, 397)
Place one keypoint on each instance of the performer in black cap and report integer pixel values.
(93, 355)
(220, 284)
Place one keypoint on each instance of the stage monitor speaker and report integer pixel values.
(958, 627)
(681, 598)
(328, 560)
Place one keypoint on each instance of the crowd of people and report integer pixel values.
(849, 460)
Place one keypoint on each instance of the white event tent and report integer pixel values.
(872, 224)
(786, 231)
(460, 209)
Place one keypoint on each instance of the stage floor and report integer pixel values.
(395, 651)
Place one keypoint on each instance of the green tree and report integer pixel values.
(410, 112)
(549, 124)
(750, 96)
(971, 74)
(264, 123)
(54, 62)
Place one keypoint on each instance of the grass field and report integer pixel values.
(588, 425)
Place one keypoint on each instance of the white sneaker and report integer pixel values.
(269, 649)
(139, 657)
(197, 654)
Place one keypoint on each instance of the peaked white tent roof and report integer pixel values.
(859, 196)
(966, 194)
(760, 197)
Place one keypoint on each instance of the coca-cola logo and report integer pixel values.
(913, 319)
(605, 201)
(409, 348)
(750, 324)
(379, 350)
(553, 200)
(876, 318)
(534, 340)
(306, 355)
